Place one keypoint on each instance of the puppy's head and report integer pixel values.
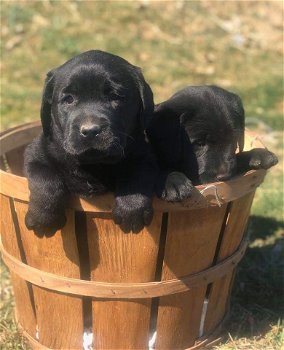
(215, 128)
(94, 104)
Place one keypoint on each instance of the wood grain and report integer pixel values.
(233, 234)
(111, 290)
(119, 257)
(23, 301)
(190, 246)
(59, 316)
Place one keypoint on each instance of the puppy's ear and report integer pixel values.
(45, 110)
(241, 140)
(146, 95)
(240, 115)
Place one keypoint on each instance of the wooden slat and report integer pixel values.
(233, 234)
(59, 317)
(24, 307)
(15, 159)
(190, 247)
(119, 257)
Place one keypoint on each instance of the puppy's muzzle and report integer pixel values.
(224, 177)
(90, 130)
(226, 170)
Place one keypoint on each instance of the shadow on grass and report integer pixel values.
(257, 298)
(261, 227)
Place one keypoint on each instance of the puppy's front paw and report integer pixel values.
(177, 188)
(261, 158)
(132, 212)
(44, 224)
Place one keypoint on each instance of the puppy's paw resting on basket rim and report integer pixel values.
(132, 212)
(176, 187)
(256, 158)
(261, 158)
(45, 223)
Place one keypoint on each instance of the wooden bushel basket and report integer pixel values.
(173, 278)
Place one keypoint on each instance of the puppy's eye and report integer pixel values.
(69, 99)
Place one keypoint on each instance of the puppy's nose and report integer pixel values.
(90, 130)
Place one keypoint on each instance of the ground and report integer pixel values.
(235, 44)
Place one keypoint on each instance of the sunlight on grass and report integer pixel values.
(234, 44)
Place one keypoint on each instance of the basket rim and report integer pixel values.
(217, 193)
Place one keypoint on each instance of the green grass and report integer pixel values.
(235, 44)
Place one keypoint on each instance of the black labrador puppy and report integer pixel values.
(94, 111)
(195, 135)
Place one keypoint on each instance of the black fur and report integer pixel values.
(94, 111)
(196, 132)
